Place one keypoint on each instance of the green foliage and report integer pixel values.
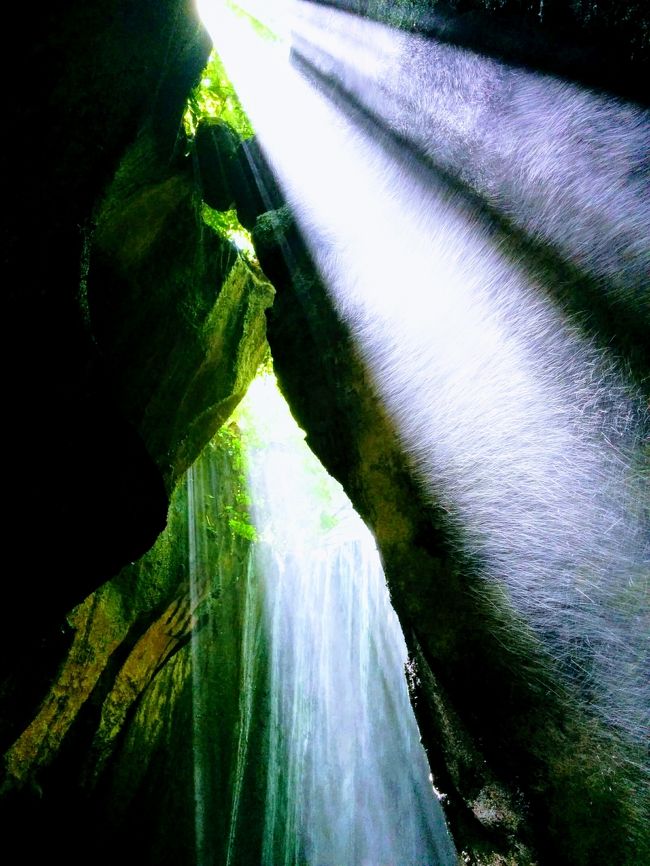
(262, 30)
(228, 437)
(213, 99)
(239, 525)
(226, 223)
(235, 513)
(328, 521)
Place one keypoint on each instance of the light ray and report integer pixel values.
(525, 432)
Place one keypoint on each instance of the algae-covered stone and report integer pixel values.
(178, 313)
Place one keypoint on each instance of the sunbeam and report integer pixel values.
(528, 434)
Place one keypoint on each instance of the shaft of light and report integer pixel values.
(529, 436)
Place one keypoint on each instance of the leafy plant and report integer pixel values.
(262, 29)
(213, 99)
(236, 513)
(226, 223)
(238, 523)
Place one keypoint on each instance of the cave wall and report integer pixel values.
(134, 331)
(157, 269)
(83, 78)
(109, 269)
(136, 738)
(605, 46)
(102, 237)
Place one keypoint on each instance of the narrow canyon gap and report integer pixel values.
(434, 216)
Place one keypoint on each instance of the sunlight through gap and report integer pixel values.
(527, 434)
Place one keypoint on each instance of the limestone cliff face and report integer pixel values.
(177, 312)
(145, 705)
(132, 331)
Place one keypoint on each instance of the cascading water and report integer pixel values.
(228, 671)
(346, 779)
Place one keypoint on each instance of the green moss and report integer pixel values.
(235, 511)
(213, 99)
(177, 310)
(227, 225)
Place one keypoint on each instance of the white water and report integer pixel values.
(348, 781)
(251, 641)
(197, 556)
(344, 779)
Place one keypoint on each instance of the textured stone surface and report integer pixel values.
(102, 340)
(107, 763)
(81, 81)
(177, 313)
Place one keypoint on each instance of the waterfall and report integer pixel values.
(196, 554)
(306, 748)
(347, 777)
(250, 642)
(227, 715)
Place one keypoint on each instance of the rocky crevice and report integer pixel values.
(134, 331)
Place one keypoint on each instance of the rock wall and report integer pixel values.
(157, 269)
(136, 736)
(527, 777)
(132, 332)
(82, 79)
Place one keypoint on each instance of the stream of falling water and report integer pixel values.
(347, 777)
(323, 700)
